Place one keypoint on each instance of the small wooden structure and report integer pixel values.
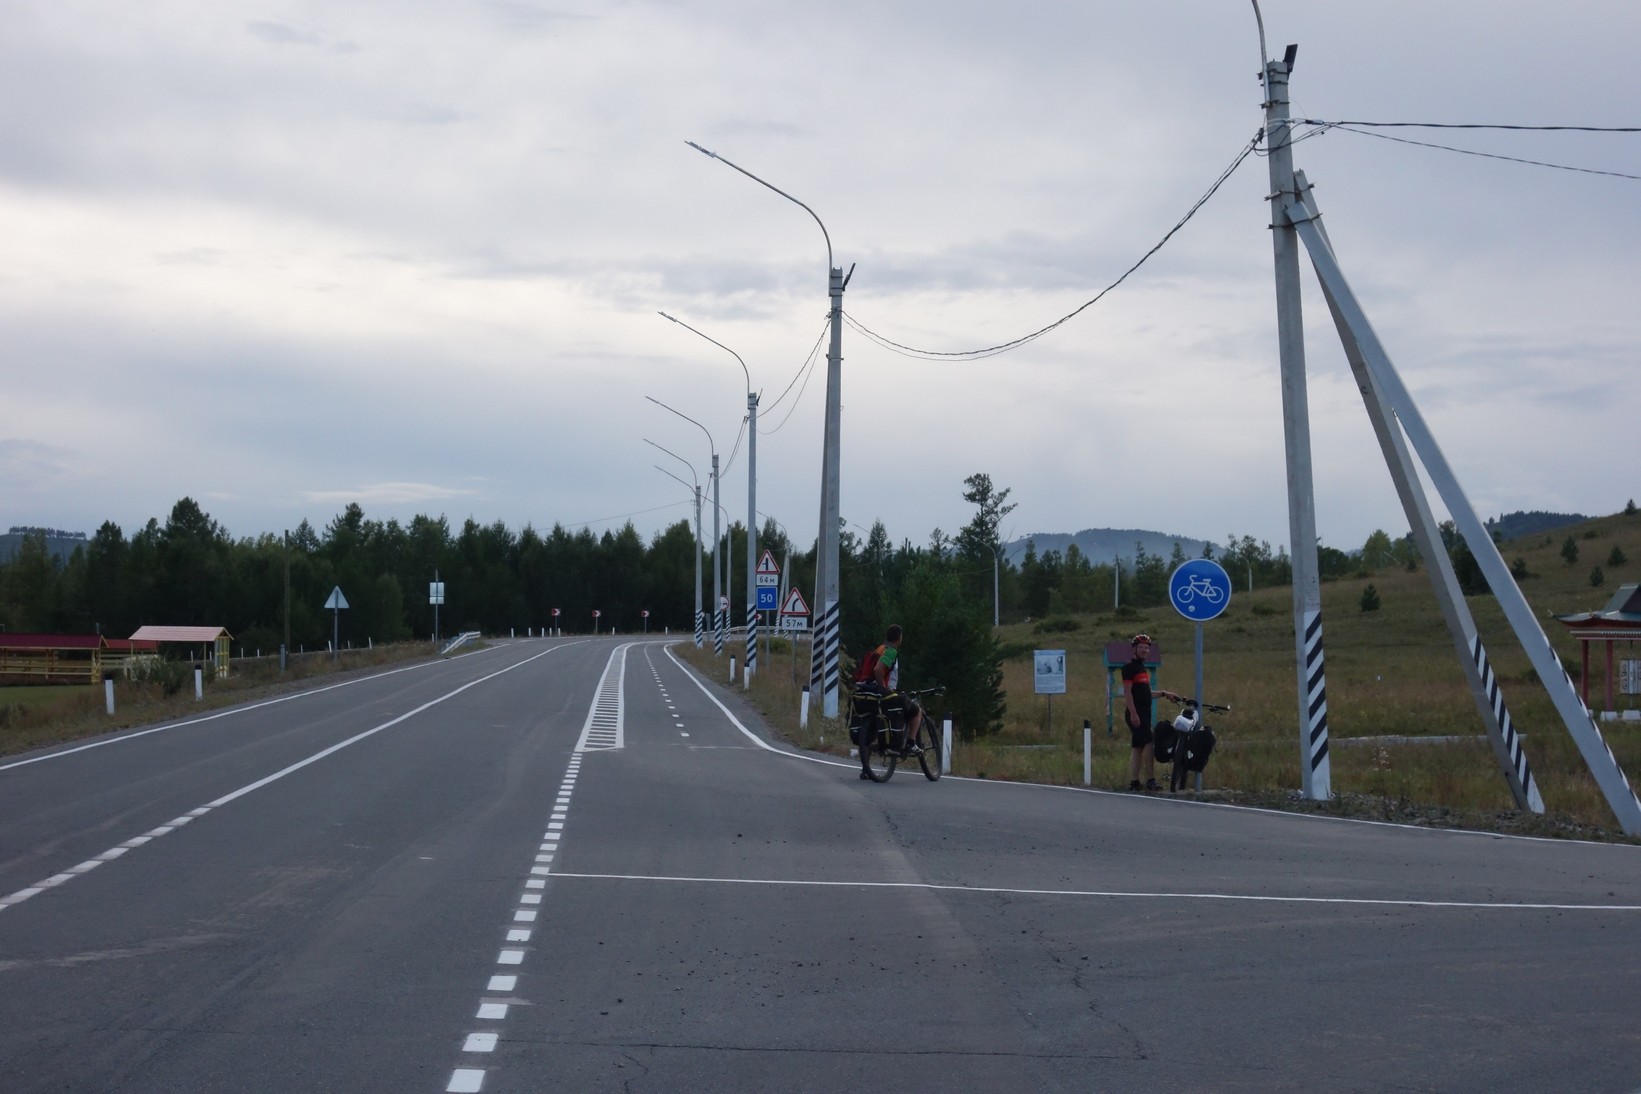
(68, 657)
(1619, 621)
(216, 638)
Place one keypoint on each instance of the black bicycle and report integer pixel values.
(883, 746)
(1186, 742)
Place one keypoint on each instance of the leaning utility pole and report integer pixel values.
(1314, 767)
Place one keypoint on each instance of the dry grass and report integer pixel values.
(1394, 672)
(33, 716)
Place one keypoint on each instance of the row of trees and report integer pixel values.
(188, 570)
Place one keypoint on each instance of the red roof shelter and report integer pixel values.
(67, 656)
(1619, 621)
(217, 638)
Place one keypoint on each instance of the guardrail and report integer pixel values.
(458, 641)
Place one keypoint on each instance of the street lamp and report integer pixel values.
(717, 587)
(751, 502)
(824, 663)
(699, 625)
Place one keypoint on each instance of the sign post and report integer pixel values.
(336, 602)
(646, 615)
(596, 614)
(1049, 674)
(435, 597)
(1200, 590)
(556, 632)
(794, 618)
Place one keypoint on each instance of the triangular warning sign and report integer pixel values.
(795, 604)
(766, 564)
(337, 600)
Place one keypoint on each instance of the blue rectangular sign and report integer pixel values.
(769, 598)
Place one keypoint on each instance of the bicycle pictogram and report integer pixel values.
(1202, 586)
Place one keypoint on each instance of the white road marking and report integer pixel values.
(1118, 894)
(465, 1080)
(518, 936)
(522, 916)
(494, 1012)
(503, 983)
(510, 957)
(178, 822)
(480, 1042)
(216, 716)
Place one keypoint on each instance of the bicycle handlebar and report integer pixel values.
(1184, 700)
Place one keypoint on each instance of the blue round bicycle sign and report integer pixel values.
(1200, 589)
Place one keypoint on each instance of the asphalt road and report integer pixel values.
(568, 865)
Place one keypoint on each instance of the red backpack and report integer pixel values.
(866, 671)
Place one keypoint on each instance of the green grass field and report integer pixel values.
(1392, 672)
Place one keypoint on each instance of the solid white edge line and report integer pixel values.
(173, 825)
(1116, 894)
(829, 762)
(232, 711)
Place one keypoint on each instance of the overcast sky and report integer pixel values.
(282, 257)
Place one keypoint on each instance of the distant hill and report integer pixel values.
(1521, 523)
(1104, 544)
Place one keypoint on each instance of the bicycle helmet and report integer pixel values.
(1138, 638)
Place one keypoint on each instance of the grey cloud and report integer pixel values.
(531, 18)
(281, 35)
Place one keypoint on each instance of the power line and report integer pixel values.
(621, 516)
(1350, 127)
(1004, 347)
(1481, 125)
(808, 371)
(807, 362)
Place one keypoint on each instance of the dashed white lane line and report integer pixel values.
(193, 814)
(610, 731)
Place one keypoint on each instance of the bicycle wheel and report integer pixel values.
(880, 761)
(929, 758)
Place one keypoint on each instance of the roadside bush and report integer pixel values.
(1369, 601)
(1058, 625)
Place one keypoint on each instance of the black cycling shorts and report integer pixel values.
(1141, 733)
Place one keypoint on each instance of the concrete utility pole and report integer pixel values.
(824, 660)
(751, 532)
(824, 650)
(751, 500)
(700, 628)
(717, 587)
(717, 577)
(1314, 767)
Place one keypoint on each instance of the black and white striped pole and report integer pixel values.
(751, 501)
(824, 651)
(717, 588)
(1314, 766)
(1484, 688)
(1388, 386)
